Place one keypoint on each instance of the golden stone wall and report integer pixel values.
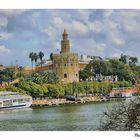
(65, 65)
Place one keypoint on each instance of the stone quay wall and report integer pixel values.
(50, 102)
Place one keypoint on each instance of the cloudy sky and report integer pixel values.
(105, 33)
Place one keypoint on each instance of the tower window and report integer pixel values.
(65, 75)
(65, 65)
(76, 75)
(71, 64)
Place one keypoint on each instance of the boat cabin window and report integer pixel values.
(27, 100)
(7, 103)
(21, 100)
(15, 100)
(0, 103)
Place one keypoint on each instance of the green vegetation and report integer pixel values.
(40, 85)
(124, 68)
(58, 90)
(47, 84)
(45, 77)
(6, 75)
(122, 117)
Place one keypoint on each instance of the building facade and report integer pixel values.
(65, 64)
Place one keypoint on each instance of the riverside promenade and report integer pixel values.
(62, 101)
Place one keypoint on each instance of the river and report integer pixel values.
(80, 117)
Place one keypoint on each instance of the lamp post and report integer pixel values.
(86, 86)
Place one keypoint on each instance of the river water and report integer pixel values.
(81, 117)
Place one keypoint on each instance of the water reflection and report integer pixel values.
(59, 118)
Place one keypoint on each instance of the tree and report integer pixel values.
(133, 61)
(11, 74)
(55, 90)
(123, 117)
(46, 77)
(41, 55)
(123, 58)
(85, 74)
(31, 56)
(6, 75)
(20, 68)
(35, 56)
(51, 56)
(122, 71)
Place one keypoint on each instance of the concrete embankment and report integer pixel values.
(62, 101)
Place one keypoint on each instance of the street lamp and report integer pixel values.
(86, 86)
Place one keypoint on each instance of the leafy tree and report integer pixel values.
(85, 74)
(133, 61)
(6, 75)
(123, 58)
(122, 71)
(122, 117)
(46, 77)
(16, 89)
(55, 90)
(20, 68)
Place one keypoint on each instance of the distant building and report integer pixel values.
(88, 58)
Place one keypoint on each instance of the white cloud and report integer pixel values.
(96, 26)
(3, 21)
(84, 14)
(4, 50)
(50, 31)
(77, 28)
(131, 26)
(57, 20)
(118, 41)
(5, 35)
(108, 13)
(12, 12)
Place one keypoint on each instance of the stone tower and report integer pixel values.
(65, 64)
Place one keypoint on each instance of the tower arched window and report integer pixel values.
(65, 75)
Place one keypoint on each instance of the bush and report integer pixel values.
(15, 89)
(55, 90)
(122, 117)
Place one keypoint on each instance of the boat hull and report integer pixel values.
(15, 106)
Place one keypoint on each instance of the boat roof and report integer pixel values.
(8, 95)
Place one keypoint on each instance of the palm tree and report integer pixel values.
(41, 54)
(51, 56)
(31, 56)
(35, 58)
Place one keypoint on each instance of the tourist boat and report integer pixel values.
(12, 100)
(122, 92)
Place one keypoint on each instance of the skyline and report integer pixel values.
(105, 33)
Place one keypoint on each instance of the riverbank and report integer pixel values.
(63, 101)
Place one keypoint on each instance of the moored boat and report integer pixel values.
(12, 100)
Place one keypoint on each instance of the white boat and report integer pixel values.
(11, 100)
(122, 92)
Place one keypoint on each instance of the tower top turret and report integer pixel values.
(65, 35)
(65, 44)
